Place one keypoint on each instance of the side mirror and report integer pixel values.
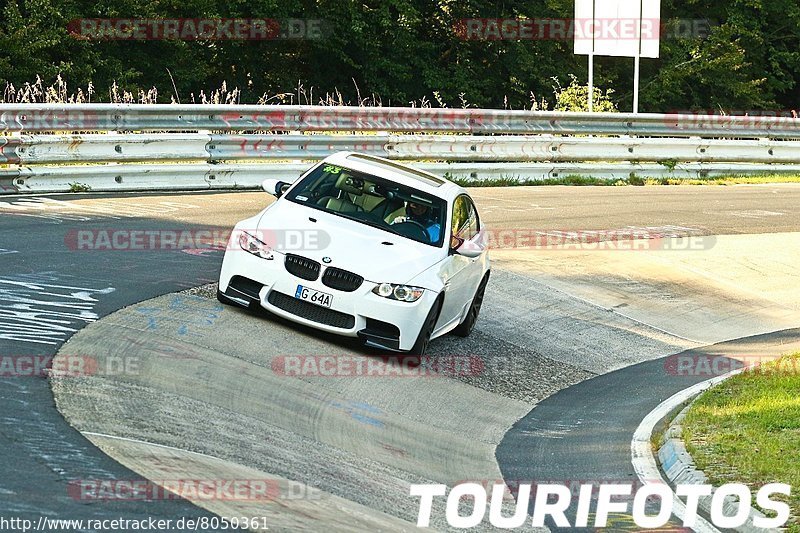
(275, 187)
(466, 248)
(470, 249)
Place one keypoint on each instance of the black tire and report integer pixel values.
(424, 337)
(466, 327)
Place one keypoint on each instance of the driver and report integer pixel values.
(421, 214)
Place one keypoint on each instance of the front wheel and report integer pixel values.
(466, 327)
(424, 337)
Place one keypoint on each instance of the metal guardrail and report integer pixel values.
(171, 117)
(44, 149)
(477, 143)
(148, 177)
(544, 147)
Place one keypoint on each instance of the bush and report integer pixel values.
(575, 97)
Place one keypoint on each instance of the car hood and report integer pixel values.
(348, 244)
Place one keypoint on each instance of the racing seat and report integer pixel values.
(393, 209)
(371, 199)
(349, 188)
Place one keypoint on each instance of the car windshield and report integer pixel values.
(373, 201)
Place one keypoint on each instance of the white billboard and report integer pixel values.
(622, 28)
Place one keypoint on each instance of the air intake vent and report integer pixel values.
(341, 280)
(302, 267)
(310, 311)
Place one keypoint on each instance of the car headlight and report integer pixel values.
(403, 293)
(248, 243)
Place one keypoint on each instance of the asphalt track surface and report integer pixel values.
(582, 434)
(42, 454)
(67, 289)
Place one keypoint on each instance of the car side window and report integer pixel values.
(473, 224)
(465, 218)
(460, 215)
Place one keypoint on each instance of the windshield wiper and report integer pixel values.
(386, 228)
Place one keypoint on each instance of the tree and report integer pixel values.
(406, 51)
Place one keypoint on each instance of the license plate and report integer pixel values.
(315, 297)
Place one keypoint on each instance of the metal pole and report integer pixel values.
(591, 59)
(591, 82)
(636, 84)
(636, 61)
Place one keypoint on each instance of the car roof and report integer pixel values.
(397, 172)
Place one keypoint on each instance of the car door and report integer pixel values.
(459, 272)
(472, 234)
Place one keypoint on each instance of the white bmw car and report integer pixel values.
(364, 247)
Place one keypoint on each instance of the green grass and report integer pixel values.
(79, 187)
(511, 181)
(747, 430)
(633, 180)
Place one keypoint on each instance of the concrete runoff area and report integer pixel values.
(295, 506)
(733, 299)
(733, 286)
(709, 210)
(361, 441)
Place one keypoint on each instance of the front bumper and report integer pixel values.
(379, 322)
